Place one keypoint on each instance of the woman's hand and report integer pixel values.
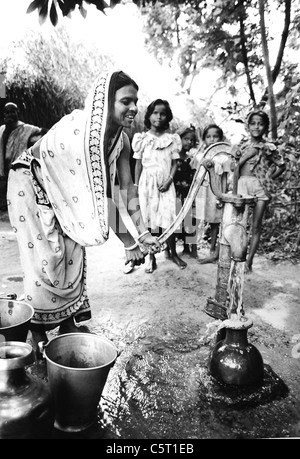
(136, 256)
(150, 243)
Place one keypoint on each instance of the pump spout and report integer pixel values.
(235, 235)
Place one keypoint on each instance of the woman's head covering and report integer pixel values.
(74, 165)
(63, 205)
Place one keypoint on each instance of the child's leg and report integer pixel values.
(194, 251)
(214, 227)
(212, 258)
(167, 252)
(258, 213)
(151, 264)
(214, 245)
(194, 237)
(186, 247)
(172, 247)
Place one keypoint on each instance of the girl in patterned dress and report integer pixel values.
(61, 199)
(156, 152)
(259, 165)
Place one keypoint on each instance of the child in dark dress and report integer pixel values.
(182, 181)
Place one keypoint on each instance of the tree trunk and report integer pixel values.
(284, 36)
(244, 50)
(273, 115)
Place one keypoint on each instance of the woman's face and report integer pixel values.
(212, 136)
(125, 108)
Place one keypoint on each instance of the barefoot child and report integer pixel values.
(156, 152)
(182, 181)
(206, 201)
(259, 164)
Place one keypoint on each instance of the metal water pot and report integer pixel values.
(15, 318)
(26, 405)
(234, 360)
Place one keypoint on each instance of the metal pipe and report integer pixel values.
(235, 235)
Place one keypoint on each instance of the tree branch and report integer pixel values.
(244, 50)
(284, 36)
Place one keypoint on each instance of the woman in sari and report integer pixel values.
(61, 200)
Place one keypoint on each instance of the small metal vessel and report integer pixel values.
(15, 317)
(26, 405)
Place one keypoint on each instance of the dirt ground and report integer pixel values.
(164, 337)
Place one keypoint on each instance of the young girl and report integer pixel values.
(207, 205)
(182, 181)
(259, 164)
(156, 152)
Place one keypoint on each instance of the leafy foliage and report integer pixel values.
(49, 76)
(66, 7)
(282, 223)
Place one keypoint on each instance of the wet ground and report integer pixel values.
(159, 387)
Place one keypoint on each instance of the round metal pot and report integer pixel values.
(26, 407)
(15, 317)
(235, 361)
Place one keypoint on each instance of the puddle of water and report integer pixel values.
(159, 388)
(276, 311)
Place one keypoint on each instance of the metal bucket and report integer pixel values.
(78, 365)
(15, 317)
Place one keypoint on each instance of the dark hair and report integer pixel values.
(150, 110)
(118, 80)
(188, 130)
(212, 126)
(261, 113)
(43, 130)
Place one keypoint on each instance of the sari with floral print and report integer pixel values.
(58, 205)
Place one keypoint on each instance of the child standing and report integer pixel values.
(259, 164)
(208, 208)
(156, 152)
(182, 181)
